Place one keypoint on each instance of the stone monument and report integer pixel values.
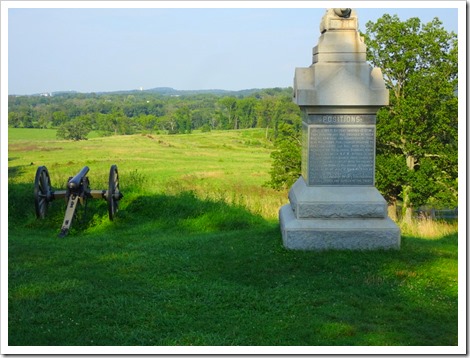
(334, 204)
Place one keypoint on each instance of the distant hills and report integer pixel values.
(165, 91)
(172, 91)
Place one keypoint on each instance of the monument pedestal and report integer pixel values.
(345, 218)
(335, 205)
(333, 202)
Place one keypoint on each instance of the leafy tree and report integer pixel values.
(201, 117)
(286, 167)
(229, 111)
(166, 123)
(104, 124)
(417, 133)
(245, 111)
(286, 113)
(147, 122)
(58, 118)
(115, 123)
(43, 121)
(27, 119)
(43, 115)
(183, 120)
(125, 125)
(156, 108)
(265, 112)
(14, 119)
(76, 129)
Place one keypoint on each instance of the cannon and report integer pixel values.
(76, 194)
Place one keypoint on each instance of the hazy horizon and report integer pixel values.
(121, 49)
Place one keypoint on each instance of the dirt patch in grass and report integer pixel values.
(31, 148)
(202, 175)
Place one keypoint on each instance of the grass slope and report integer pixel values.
(195, 257)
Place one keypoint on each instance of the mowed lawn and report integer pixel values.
(195, 256)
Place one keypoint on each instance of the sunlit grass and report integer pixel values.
(222, 165)
(428, 228)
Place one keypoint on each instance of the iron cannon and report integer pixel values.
(76, 194)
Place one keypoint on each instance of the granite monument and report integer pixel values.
(334, 204)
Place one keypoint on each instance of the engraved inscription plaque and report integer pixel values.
(342, 119)
(341, 155)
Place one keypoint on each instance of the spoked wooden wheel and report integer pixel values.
(42, 192)
(113, 192)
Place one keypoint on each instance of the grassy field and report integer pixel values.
(195, 256)
(216, 165)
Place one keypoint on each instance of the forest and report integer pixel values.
(76, 114)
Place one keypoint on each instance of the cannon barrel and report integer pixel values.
(74, 183)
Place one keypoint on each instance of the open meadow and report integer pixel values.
(195, 256)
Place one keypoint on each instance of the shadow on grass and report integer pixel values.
(188, 214)
(178, 270)
(15, 171)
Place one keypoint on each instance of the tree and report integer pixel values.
(14, 119)
(183, 120)
(286, 167)
(246, 112)
(417, 133)
(104, 123)
(147, 122)
(43, 121)
(265, 113)
(202, 117)
(229, 110)
(76, 129)
(58, 118)
(115, 123)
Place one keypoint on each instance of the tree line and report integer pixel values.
(77, 114)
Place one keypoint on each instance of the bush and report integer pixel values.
(286, 168)
(205, 128)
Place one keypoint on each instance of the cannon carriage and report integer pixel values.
(76, 194)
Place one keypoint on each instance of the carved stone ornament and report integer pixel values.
(339, 19)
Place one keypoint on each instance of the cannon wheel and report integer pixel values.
(113, 192)
(42, 192)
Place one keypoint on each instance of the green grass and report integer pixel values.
(218, 165)
(37, 134)
(195, 257)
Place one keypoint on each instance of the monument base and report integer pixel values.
(337, 234)
(336, 201)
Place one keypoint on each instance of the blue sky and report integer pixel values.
(107, 49)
